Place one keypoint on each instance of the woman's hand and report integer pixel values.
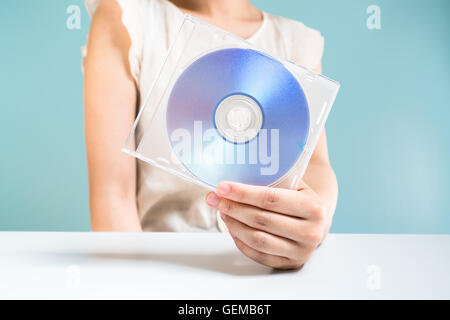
(276, 227)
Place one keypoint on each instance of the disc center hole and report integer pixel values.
(239, 118)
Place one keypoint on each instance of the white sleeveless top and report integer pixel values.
(166, 202)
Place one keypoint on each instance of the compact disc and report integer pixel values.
(237, 115)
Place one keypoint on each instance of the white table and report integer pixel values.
(207, 266)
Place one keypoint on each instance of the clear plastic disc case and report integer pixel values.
(221, 109)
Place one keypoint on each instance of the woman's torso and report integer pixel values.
(167, 202)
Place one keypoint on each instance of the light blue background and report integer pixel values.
(388, 132)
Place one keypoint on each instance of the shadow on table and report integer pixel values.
(229, 262)
(232, 262)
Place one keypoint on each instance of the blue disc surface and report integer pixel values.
(191, 125)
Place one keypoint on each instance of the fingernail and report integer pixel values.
(212, 199)
(223, 216)
(223, 189)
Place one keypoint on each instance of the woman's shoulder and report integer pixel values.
(304, 44)
(141, 17)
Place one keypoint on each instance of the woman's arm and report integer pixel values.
(321, 178)
(110, 108)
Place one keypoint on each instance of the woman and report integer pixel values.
(127, 43)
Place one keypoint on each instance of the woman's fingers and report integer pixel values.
(264, 258)
(285, 226)
(276, 227)
(291, 202)
(260, 240)
(277, 224)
